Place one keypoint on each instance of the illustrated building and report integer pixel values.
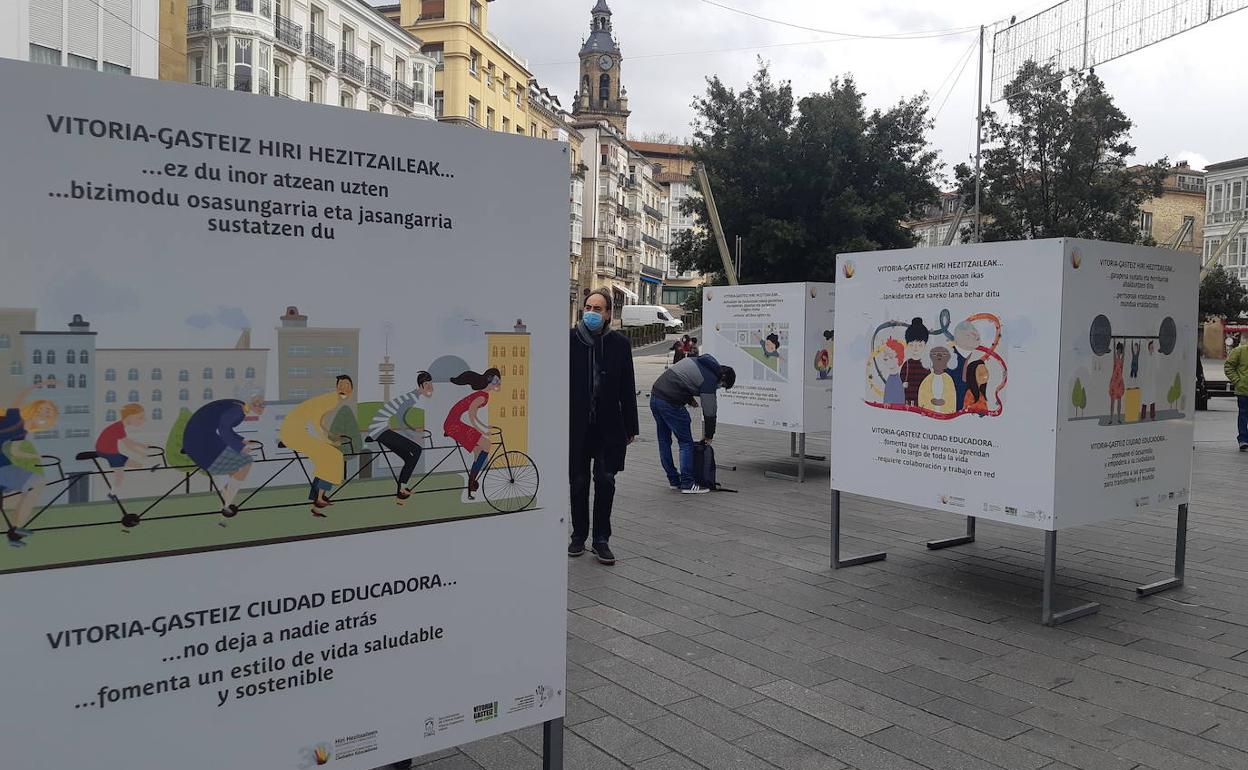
(509, 407)
(1225, 212)
(118, 36)
(480, 81)
(602, 95)
(64, 362)
(340, 52)
(164, 381)
(13, 321)
(309, 358)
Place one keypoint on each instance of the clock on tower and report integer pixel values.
(602, 95)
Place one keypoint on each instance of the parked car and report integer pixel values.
(643, 315)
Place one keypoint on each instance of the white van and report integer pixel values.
(641, 315)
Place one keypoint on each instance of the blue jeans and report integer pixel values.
(1243, 419)
(670, 420)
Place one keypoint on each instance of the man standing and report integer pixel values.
(406, 447)
(602, 416)
(1237, 376)
(695, 377)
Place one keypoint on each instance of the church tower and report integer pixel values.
(602, 95)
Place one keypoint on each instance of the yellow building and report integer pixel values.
(479, 81)
(1176, 217)
(509, 408)
(171, 62)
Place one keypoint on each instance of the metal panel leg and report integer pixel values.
(1180, 559)
(797, 449)
(801, 459)
(1047, 616)
(949, 542)
(552, 744)
(853, 561)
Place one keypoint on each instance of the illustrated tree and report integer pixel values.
(1079, 396)
(1222, 294)
(1055, 165)
(173, 442)
(1176, 391)
(801, 181)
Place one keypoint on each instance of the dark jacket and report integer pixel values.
(686, 380)
(616, 412)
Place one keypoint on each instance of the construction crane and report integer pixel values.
(729, 271)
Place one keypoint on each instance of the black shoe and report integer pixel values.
(603, 554)
(576, 548)
(1243, 447)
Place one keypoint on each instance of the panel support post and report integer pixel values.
(552, 744)
(1047, 616)
(797, 449)
(949, 542)
(853, 561)
(1180, 559)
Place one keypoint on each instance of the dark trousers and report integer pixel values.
(1243, 419)
(588, 467)
(407, 450)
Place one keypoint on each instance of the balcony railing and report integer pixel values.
(404, 94)
(652, 211)
(320, 51)
(198, 19)
(288, 34)
(351, 66)
(378, 81)
(221, 5)
(431, 16)
(655, 242)
(1224, 217)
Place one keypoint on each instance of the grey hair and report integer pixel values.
(606, 297)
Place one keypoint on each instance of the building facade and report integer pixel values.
(13, 321)
(479, 80)
(509, 407)
(646, 202)
(310, 359)
(602, 95)
(172, 53)
(1176, 218)
(938, 218)
(120, 36)
(609, 260)
(339, 52)
(678, 284)
(1225, 212)
(64, 363)
(164, 381)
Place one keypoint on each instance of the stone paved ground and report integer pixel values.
(723, 640)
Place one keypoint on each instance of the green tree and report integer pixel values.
(1056, 165)
(1221, 294)
(801, 181)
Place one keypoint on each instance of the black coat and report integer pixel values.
(617, 400)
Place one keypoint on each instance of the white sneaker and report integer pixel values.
(695, 490)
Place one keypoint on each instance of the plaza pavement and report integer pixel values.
(723, 640)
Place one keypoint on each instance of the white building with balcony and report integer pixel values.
(120, 36)
(678, 284)
(339, 52)
(1226, 206)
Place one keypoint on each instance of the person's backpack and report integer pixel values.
(704, 467)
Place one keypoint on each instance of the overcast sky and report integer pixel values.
(1179, 93)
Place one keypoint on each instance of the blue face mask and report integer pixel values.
(592, 320)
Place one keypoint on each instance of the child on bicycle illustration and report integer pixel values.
(464, 424)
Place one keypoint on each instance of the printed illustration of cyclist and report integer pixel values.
(212, 442)
(20, 473)
(115, 447)
(304, 431)
(403, 442)
(463, 423)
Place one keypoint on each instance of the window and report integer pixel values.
(474, 62)
(316, 18)
(439, 104)
(335, 350)
(474, 15)
(604, 89)
(80, 62)
(70, 381)
(184, 395)
(519, 96)
(242, 63)
(347, 39)
(297, 350)
(532, 129)
(207, 394)
(489, 76)
(1235, 197)
(110, 397)
(434, 51)
(132, 375)
(298, 393)
(489, 118)
(281, 78)
(15, 368)
(157, 373)
(229, 372)
(1146, 223)
(1215, 199)
(158, 414)
(50, 357)
(71, 357)
(116, 69)
(375, 55)
(184, 376)
(83, 358)
(38, 380)
(110, 415)
(250, 373)
(43, 55)
(157, 395)
(1189, 227)
(6, 341)
(374, 107)
(346, 99)
(418, 83)
(82, 381)
(474, 109)
(507, 125)
(299, 371)
(76, 432)
(433, 9)
(316, 91)
(132, 397)
(400, 70)
(207, 372)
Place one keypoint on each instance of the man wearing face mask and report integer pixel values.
(602, 418)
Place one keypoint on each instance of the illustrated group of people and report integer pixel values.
(1133, 371)
(212, 441)
(957, 380)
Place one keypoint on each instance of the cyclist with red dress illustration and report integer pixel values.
(463, 423)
